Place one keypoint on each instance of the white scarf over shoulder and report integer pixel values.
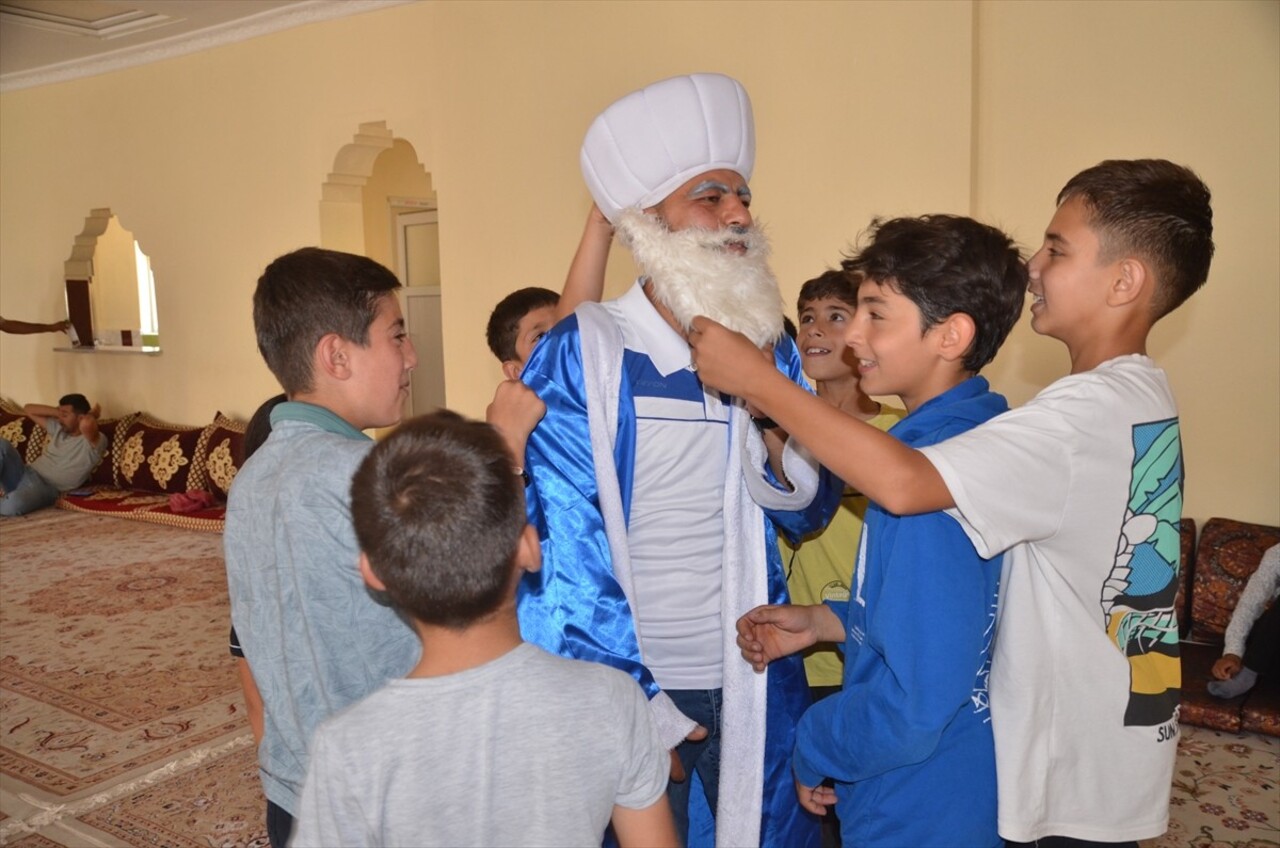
(745, 584)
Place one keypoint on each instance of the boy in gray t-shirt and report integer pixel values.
(489, 740)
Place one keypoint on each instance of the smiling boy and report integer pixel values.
(910, 728)
(330, 329)
(820, 566)
(1082, 487)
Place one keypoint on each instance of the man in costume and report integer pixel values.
(655, 498)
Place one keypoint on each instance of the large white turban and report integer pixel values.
(650, 142)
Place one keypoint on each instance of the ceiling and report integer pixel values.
(44, 41)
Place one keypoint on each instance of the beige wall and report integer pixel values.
(215, 161)
(1064, 85)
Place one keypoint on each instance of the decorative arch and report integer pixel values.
(377, 192)
(342, 195)
(110, 286)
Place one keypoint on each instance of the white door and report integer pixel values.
(418, 258)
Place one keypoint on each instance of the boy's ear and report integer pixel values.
(370, 579)
(955, 336)
(511, 369)
(1132, 282)
(529, 550)
(331, 358)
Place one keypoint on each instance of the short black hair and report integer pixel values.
(946, 264)
(307, 294)
(259, 426)
(1156, 210)
(438, 511)
(504, 321)
(835, 283)
(79, 403)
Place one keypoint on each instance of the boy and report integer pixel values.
(910, 729)
(489, 740)
(519, 322)
(1082, 487)
(330, 329)
(820, 566)
(74, 449)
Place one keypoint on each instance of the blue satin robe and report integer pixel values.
(574, 605)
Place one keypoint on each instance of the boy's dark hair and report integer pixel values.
(438, 512)
(305, 295)
(259, 427)
(835, 283)
(1155, 210)
(947, 264)
(79, 403)
(504, 321)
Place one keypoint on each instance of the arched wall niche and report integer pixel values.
(375, 171)
(379, 202)
(111, 298)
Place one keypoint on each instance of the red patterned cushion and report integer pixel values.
(1228, 553)
(27, 437)
(104, 473)
(219, 455)
(157, 457)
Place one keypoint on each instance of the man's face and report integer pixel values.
(1068, 281)
(68, 419)
(381, 369)
(703, 255)
(820, 338)
(710, 201)
(532, 327)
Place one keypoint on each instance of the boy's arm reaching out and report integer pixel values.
(651, 827)
(900, 479)
(585, 280)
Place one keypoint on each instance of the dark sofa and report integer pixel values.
(1215, 569)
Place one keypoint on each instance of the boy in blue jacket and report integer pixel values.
(910, 730)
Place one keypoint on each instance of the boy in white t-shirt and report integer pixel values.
(1081, 486)
(489, 740)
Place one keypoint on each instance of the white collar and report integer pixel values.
(663, 344)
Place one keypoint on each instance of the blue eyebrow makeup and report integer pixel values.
(743, 192)
(709, 185)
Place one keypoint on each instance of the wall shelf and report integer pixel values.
(143, 351)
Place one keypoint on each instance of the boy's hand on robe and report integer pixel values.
(815, 799)
(514, 412)
(677, 768)
(769, 632)
(726, 360)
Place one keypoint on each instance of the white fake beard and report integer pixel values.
(691, 273)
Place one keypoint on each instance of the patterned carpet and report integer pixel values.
(1226, 792)
(121, 721)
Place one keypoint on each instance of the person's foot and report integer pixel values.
(1238, 685)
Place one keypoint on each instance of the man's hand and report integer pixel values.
(677, 768)
(514, 412)
(726, 360)
(769, 632)
(815, 799)
(1227, 667)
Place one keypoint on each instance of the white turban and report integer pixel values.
(650, 142)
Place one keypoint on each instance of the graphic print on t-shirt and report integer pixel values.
(1138, 596)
